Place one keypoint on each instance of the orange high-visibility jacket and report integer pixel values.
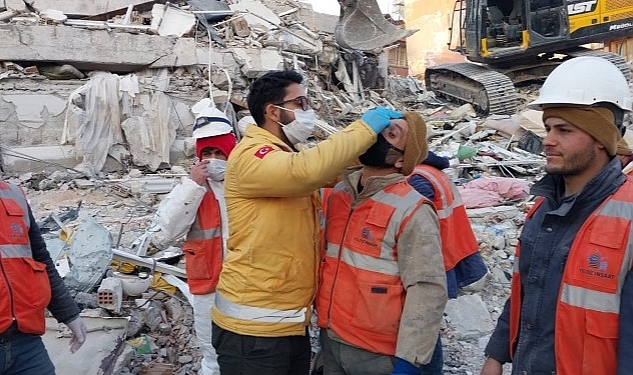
(203, 248)
(360, 295)
(587, 313)
(458, 239)
(25, 290)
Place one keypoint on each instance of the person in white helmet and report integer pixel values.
(196, 209)
(571, 307)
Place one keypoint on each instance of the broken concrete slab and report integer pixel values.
(318, 21)
(30, 108)
(171, 21)
(85, 8)
(26, 158)
(469, 316)
(94, 49)
(255, 62)
(182, 54)
(98, 353)
(257, 14)
(15, 5)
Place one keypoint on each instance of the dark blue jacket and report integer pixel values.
(62, 306)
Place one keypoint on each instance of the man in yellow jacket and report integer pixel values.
(268, 280)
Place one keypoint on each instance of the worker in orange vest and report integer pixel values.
(196, 209)
(571, 306)
(382, 288)
(462, 261)
(29, 285)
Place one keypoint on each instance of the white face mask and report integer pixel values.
(216, 169)
(301, 128)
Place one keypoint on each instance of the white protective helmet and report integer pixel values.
(585, 80)
(244, 121)
(210, 122)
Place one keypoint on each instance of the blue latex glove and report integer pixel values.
(403, 367)
(378, 118)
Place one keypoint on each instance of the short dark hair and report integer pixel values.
(269, 88)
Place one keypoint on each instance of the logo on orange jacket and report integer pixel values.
(597, 266)
(366, 237)
(17, 230)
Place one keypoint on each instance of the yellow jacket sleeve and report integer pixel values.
(280, 173)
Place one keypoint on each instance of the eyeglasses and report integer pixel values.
(302, 101)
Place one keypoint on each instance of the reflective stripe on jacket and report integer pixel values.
(203, 248)
(587, 313)
(361, 296)
(268, 279)
(24, 286)
(458, 239)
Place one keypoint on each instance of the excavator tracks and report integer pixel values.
(492, 92)
(614, 58)
(489, 92)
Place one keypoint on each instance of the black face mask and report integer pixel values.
(376, 155)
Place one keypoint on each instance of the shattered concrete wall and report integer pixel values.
(94, 49)
(54, 59)
(45, 113)
(32, 112)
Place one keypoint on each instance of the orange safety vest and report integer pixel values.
(25, 289)
(360, 294)
(587, 313)
(203, 248)
(458, 238)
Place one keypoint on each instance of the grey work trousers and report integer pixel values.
(342, 359)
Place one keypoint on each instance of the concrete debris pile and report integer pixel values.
(107, 87)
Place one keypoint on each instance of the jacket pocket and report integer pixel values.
(378, 308)
(601, 343)
(36, 283)
(12, 221)
(197, 260)
(600, 265)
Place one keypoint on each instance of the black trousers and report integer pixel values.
(251, 355)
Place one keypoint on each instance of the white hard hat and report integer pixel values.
(210, 122)
(585, 80)
(246, 120)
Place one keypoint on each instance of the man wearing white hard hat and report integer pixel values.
(196, 209)
(571, 307)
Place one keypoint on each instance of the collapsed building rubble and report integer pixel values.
(145, 345)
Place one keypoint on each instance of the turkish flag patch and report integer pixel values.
(263, 151)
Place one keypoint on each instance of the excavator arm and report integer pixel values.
(362, 26)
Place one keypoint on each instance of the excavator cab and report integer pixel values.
(490, 31)
(363, 27)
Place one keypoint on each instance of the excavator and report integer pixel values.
(507, 42)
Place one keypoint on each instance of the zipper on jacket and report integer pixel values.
(338, 262)
(9, 289)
